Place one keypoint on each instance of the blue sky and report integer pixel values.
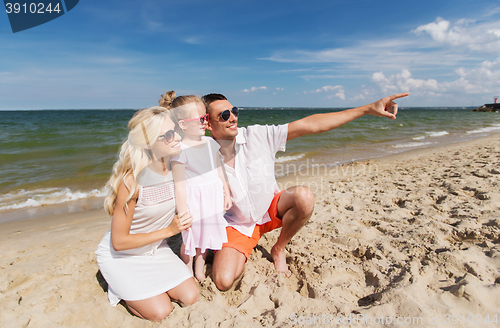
(124, 54)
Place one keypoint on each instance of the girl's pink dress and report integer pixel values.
(205, 197)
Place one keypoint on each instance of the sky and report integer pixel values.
(336, 53)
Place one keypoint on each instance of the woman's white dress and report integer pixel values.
(204, 196)
(151, 270)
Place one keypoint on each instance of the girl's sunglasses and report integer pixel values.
(169, 136)
(225, 115)
(203, 119)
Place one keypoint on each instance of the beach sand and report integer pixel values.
(407, 240)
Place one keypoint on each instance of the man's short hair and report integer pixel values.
(211, 97)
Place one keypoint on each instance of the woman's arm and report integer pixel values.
(121, 238)
(179, 174)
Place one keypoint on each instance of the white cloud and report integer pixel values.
(481, 37)
(434, 47)
(482, 79)
(340, 92)
(403, 82)
(193, 40)
(280, 89)
(252, 89)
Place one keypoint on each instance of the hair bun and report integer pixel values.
(166, 99)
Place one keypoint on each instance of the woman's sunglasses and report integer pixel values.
(169, 136)
(225, 115)
(202, 119)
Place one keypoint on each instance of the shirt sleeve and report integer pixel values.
(181, 158)
(276, 136)
(272, 137)
(280, 135)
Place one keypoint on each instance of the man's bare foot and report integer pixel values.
(279, 258)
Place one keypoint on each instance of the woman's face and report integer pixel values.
(192, 125)
(167, 144)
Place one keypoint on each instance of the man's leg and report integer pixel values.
(295, 207)
(227, 267)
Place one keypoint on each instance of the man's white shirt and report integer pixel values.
(252, 180)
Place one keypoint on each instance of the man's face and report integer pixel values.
(220, 129)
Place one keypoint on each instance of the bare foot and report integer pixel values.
(279, 258)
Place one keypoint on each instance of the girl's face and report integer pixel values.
(167, 144)
(192, 125)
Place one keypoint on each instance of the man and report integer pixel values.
(258, 205)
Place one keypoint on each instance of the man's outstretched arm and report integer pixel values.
(319, 123)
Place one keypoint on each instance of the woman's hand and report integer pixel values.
(180, 223)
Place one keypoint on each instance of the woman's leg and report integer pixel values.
(186, 293)
(199, 265)
(154, 308)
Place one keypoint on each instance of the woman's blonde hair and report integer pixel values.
(177, 104)
(135, 153)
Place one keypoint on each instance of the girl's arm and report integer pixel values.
(179, 174)
(121, 239)
(227, 192)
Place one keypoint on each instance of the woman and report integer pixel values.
(133, 256)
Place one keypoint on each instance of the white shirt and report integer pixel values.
(252, 181)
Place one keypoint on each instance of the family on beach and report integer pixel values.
(219, 192)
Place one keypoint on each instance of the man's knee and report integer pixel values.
(224, 280)
(304, 200)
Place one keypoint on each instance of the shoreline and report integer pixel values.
(95, 203)
(412, 235)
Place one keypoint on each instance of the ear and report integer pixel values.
(209, 125)
(182, 125)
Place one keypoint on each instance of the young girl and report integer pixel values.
(200, 185)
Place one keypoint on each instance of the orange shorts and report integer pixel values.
(245, 244)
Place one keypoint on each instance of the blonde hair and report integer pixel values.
(135, 153)
(177, 104)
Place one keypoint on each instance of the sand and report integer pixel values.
(407, 240)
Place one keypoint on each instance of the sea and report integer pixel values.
(61, 156)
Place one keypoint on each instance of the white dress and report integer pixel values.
(204, 196)
(151, 270)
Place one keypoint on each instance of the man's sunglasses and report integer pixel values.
(202, 119)
(225, 115)
(169, 136)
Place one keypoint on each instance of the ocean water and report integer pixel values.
(56, 156)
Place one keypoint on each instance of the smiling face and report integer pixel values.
(191, 125)
(164, 147)
(222, 130)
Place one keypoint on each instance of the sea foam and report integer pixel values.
(412, 144)
(432, 134)
(493, 128)
(41, 197)
(283, 159)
